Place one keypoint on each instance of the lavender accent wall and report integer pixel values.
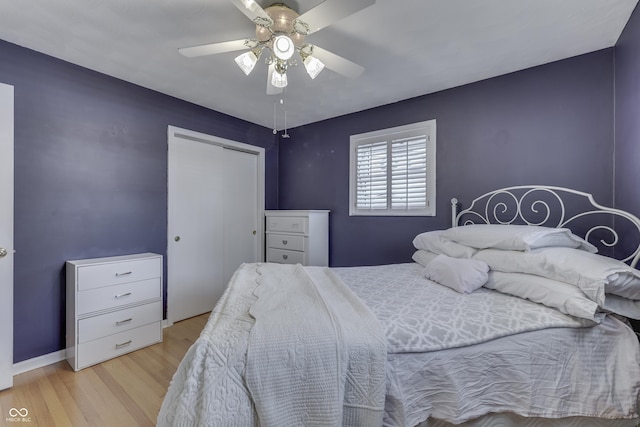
(550, 125)
(91, 178)
(627, 117)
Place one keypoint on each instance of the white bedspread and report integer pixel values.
(285, 346)
(419, 315)
(553, 373)
(562, 369)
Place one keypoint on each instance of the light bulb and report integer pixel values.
(247, 61)
(283, 47)
(313, 66)
(279, 80)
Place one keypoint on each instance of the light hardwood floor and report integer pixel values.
(125, 391)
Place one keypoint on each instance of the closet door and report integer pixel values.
(216, 206)
(194, 252)
(240, 195)
(6, 236)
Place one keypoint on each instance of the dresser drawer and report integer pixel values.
(119, 295)
(284, 256)
(96, 351)
(286, 241)
(100, 326)
(99, 275)
(287, 224)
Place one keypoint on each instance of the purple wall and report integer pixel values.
(91, 178)
(627, 117)
(550, 125)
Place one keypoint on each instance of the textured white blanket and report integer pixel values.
(316, 354)
(312, 355)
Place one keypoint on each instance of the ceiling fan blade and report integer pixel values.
(271, 89)
(253, 11)
(331, 11)
(337, 63)
(213, 48)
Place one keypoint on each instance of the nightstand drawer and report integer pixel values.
(99, 275)
(120, 295)
(287, 224)
(115, 345)
(284, 256)
(286, 241)
(95, 327)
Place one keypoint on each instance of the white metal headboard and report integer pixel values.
(612, 230)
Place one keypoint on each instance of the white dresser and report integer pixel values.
(298, 237)
(114, 306)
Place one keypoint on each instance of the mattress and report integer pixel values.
(563, 370)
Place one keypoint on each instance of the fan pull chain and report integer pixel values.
(285, 134)
(283, 103)
(275, 131)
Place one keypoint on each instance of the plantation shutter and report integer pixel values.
(392, 171)
(409, 173)
(371, 176)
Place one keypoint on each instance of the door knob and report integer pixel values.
(3, 252)
(177, 238)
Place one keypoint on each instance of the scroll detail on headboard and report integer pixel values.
(616, 233)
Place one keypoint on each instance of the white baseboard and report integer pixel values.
(38, 362)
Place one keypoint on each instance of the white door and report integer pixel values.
(240, 178)
(195, 215)
(215, 207)
(6, 236)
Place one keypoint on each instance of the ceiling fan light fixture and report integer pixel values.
(283, 47)
(279, 80)
(313, 66)
(247, 61)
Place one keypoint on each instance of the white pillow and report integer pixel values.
(462, 275)
(515, 237)
(434, 241)
(594, 274)
(423, 257)
(564, 297)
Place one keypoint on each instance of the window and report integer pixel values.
(393, 171)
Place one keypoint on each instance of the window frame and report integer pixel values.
(388, 136)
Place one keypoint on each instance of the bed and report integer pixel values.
(513, 316)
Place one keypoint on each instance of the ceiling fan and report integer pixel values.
(282, 31)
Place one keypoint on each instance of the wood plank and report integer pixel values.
(127, 390)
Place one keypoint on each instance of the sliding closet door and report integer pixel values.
(240, 195)
(194, 257)
(215, 210)
(6, 236)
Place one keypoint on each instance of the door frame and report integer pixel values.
(174, 134)
(6, 236)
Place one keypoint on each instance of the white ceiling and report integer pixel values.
(408, 47)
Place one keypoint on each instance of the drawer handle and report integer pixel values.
(123, 295)
(285, 256)
(124, 344)
(284, 242)
(123, 274)
(122, 322)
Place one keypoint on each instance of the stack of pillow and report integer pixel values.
(550, 266)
